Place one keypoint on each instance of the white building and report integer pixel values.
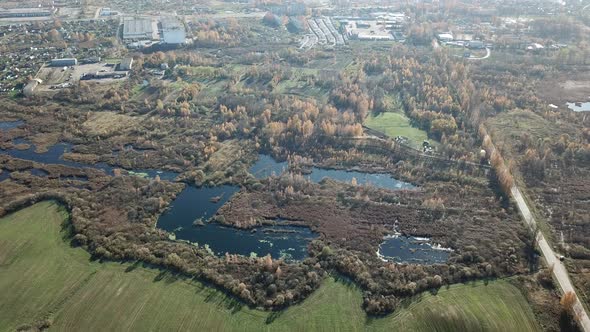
(367, 30)
(445, 37)
(173, 31)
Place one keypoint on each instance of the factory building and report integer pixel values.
(138, 28)
(172, 31)
(26, 12)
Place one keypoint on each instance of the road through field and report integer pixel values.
(559, 270)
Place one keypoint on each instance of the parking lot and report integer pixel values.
(55, 78)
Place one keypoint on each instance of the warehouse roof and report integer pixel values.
(137, 28)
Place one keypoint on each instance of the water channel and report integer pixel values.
(7, 125)
(54, 155)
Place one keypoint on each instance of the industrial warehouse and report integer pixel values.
(139, 28)
(26, 12)
(141, 32)
(172, 31)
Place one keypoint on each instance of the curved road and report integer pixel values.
(559, 270)
(488, 53)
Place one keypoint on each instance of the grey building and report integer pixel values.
(65, 62)
(26, 12)
(126, 64)
(476, 44)
(138, 28)
(173, 31)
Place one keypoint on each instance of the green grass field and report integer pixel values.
(396, 124)
(42, 277)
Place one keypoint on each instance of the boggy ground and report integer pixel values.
(114, 216)
(128, 140)
(487, 240)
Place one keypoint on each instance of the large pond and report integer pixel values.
(579, 107)
(414, 250)
(187, 219)
(54, 155)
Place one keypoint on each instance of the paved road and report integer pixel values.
(559, 270)
(488, 52)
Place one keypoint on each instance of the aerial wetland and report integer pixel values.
(188, 218)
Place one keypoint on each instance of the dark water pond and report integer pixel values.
(4, 175)
(267, 166)
(39, 172)
(580, 107)
(403, 249)
(199, 204)
(7, 125)
(194, 203)
(54, 156)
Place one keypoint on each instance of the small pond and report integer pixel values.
(4, 175)
(266, 166)
(39, 172)
(414, 250)
(7, 125)
(199, 204)
(579, 107)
